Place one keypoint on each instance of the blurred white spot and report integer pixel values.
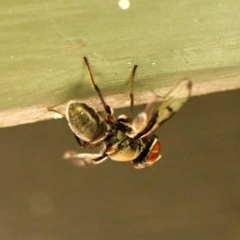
(127, 102)
(124, 4)
(41, 204)
(153, 63)
(57, 116)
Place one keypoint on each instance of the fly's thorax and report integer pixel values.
(120, 147)
(85, 122)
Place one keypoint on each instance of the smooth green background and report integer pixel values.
(42, 44)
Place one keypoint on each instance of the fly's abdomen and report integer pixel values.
(85, 122)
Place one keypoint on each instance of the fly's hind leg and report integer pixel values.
(85, 159)
(52, 109)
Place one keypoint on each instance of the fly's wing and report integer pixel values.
(172, 102)
(84, 159)
(140, 122)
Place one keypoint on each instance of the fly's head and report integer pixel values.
(150, 154)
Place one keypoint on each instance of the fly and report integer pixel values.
(123, 139)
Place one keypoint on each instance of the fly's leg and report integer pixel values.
(81, 142)
(131, 89)
(85, 159)
(85, 144)
(107, 109)
(51, 109)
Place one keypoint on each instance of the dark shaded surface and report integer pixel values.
(192, 193)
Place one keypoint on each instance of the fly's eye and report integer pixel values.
(154, 155)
